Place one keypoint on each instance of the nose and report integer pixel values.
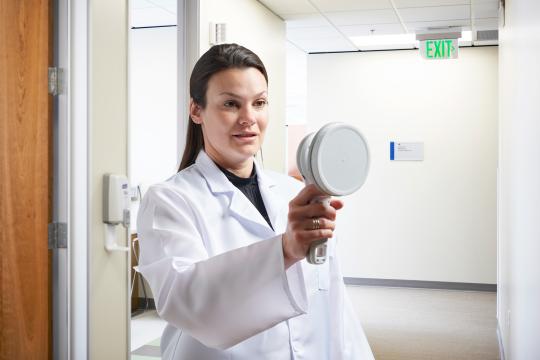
(247, 116)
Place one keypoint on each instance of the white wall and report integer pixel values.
(519, 189)
(296, 85)
(432, 220)
(252, 25)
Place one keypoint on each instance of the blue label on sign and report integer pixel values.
(391, 150)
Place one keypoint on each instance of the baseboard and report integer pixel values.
(444, 285)
(500, 341)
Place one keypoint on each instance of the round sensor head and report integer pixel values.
(338, 159)
(302, 158)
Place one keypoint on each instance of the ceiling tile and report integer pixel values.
(351, 5)
(151, 17)
(323, 32)
(429, 3)
(435, 13)
(284, 7)
(326, 45)
(305, 20)
(169, 5)
(164, 3)
(363, 17)
(486, 24)
(140, 4)
(379, 29)
(485, 9)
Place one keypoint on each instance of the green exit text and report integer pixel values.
(440, 49)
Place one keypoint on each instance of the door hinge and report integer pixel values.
(56, 81)
(57, 235)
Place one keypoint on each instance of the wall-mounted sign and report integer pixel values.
(406, 151)
(439, 49)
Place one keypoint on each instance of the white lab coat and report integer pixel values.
(216, 270)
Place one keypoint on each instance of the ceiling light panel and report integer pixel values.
(383, 42)
(435, 13)
(423, 25)
(351, 5)
(286, 7)
(363, 17)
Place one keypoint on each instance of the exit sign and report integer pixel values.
(439, 49)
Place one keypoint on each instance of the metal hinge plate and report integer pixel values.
(56, 80)
(57, 235)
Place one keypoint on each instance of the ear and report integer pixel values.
(195, 112)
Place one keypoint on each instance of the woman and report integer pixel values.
(223, 241)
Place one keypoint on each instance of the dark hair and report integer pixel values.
(218, 58)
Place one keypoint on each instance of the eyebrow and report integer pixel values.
(238, 96)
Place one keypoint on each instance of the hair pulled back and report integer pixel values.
(217, 58)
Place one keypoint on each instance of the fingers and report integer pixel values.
(311, 217)
(306, 195)
(317, 224)
(314, 210)
(308, 236)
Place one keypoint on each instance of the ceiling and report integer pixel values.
(332, 25)
(150, 13)
(329, 25)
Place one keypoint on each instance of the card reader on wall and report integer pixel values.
(116, 202)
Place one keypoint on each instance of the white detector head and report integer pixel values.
(335, 159)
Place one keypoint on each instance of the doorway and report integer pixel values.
(153, 131)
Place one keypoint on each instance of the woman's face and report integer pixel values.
(235, 117)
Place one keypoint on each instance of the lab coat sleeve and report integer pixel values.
(220, 300)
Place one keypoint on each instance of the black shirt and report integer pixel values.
(250, 187)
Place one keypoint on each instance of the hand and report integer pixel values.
(300, 233)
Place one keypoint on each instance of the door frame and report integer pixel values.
(70, 181)
(79, 179)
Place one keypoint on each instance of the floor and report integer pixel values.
(418, 324)
(400, 324)
(146, 331)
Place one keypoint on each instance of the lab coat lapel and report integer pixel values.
(239, 205)
(272, 201)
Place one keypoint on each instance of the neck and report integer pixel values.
(242, 169)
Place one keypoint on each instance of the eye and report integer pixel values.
(230, 104)
(260, 103)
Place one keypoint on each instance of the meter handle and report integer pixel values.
(318, 249)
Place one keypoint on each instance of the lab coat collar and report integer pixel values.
(239, 204)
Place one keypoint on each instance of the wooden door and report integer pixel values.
(25, 180)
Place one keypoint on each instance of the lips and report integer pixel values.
(245, 135)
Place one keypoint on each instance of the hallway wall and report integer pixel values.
(435, 219)
(519, 189)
